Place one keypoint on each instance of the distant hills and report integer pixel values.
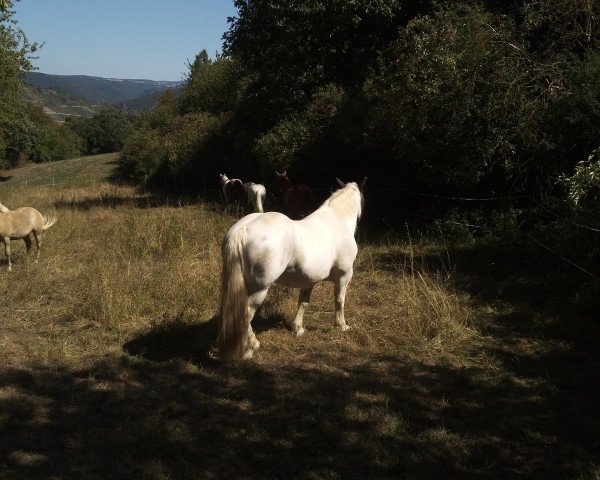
(97, 91)
(59, 105)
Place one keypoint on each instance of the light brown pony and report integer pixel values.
(298, 200)
(19, 223)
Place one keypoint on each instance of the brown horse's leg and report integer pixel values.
(6, 241)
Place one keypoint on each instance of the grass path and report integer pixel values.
(106, 368)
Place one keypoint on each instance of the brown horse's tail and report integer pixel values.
(48, 221)
(234, 298)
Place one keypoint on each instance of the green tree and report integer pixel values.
(211, 86)
(290, 49)
(15, 56)
(459, 103)
(106, 131)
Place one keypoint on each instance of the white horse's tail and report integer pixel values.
(49, 221)
(259, 201)
(234, 298)
(3, 209)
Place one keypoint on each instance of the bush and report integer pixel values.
(458, 103)
(585, 181)
(105, 132)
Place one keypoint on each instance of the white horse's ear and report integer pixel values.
(340, 183)
(362, 184)
(284, 172)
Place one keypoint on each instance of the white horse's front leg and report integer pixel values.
(340, 298)
(303, 302)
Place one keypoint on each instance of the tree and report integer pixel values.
(15, 57)
(291, 49)
(106, 131)
(211, 86)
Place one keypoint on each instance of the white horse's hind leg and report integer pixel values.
(27, 241)
(6, 241)
(38, 242)
(303, 302)
(255, 300)
(340, 298)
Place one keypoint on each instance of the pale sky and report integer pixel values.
(150, 39)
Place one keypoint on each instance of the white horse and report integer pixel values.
(257, 194)
(19, 223)
(233, 189)
(263, 249)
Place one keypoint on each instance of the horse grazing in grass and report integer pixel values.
(233, 189)
(19, 223)
(257, 194)
(263, 249)
(297, 200)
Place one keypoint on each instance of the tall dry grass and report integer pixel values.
(119, 262)
(106, 369)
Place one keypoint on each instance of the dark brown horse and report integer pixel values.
(297, 200)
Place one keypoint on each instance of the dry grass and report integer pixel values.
(107, 369)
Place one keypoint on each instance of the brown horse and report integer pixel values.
(233, 189)
(19, 223)
(297, 200)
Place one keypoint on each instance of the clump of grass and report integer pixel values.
(405, 302)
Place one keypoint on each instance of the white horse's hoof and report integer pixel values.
(248, 354)
(345, 327)
(9, 269)
(298, 332)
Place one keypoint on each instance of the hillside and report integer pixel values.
(57, 104)
(97, 90)
(74, 171)
(146, 102)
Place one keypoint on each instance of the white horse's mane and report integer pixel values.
(343, 201)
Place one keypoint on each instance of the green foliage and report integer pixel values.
(585, 181)
(105, 132)
(290, 49)
(284, 143)
(26, 133)
(472, 98)
(559, 25)
(15, 56)
(144, 154)
(458, 102)
(168, 144)
(573, 122)
(211, 86)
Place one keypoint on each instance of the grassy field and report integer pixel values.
(108, 371)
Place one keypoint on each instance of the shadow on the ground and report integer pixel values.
(136, 417)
